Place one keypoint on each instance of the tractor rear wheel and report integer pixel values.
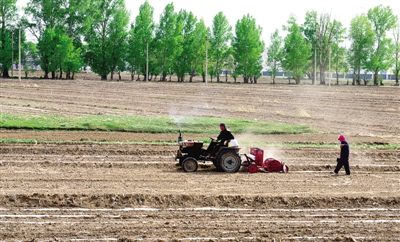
(190, 164)
(228, 161)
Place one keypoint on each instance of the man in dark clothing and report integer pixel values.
(344, 156)
(224, 137)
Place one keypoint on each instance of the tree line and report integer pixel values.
(70, 34)
(318, 44)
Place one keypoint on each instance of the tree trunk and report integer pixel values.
(5, 72)
(337, 77)
(112, 76)
(365, 78)
(376, 77)
(322, 74)
(46, 74)
(104, 77)
(217, 72)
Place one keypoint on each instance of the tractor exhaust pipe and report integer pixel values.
(180, 136)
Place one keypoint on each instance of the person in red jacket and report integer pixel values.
(344, 156)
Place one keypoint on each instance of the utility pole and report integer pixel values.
(329, 46)
(206, 57)
(12, 53)
(147, 60)
(315, 54)
(19, 53)
(315, 65)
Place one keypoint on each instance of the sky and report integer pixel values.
(269, 14)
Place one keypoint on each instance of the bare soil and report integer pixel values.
(114, 189)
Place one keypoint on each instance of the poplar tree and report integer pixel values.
(248, 48)
(274, 52)
(221, 36)
(8, 12)
(383, 20)
(297, 51)
(187, 59)
(106, 36)
(166, 40)
(143, 33)
(362, 38)
(396, 40)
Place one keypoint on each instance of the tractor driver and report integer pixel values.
(224, 137)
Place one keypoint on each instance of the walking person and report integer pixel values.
(344, 156)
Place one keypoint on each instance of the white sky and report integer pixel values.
(269, 14)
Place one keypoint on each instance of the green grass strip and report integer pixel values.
(194, 125)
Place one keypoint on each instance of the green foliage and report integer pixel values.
(383, 20)
(58, 26)
(145, 124)
(187, 60)
(143, 32)
(221, 35)
(248, 48)
(309, 30)
(275, 52)
(9, 16)
(167, 41)
(327, 32)
(297, 51)
(199, 48)
(396, 54)
(30, 52)
(106, 36)
(362, 39)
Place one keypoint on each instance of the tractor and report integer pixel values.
(224, 158)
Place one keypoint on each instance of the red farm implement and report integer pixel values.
(255, 162)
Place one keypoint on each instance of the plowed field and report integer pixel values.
(105, 186)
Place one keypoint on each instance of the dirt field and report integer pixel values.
(114, 190)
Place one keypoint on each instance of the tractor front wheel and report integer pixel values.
(229, 161)
(190, 164)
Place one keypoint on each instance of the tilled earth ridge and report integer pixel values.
(121, 192)
(104, 186)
